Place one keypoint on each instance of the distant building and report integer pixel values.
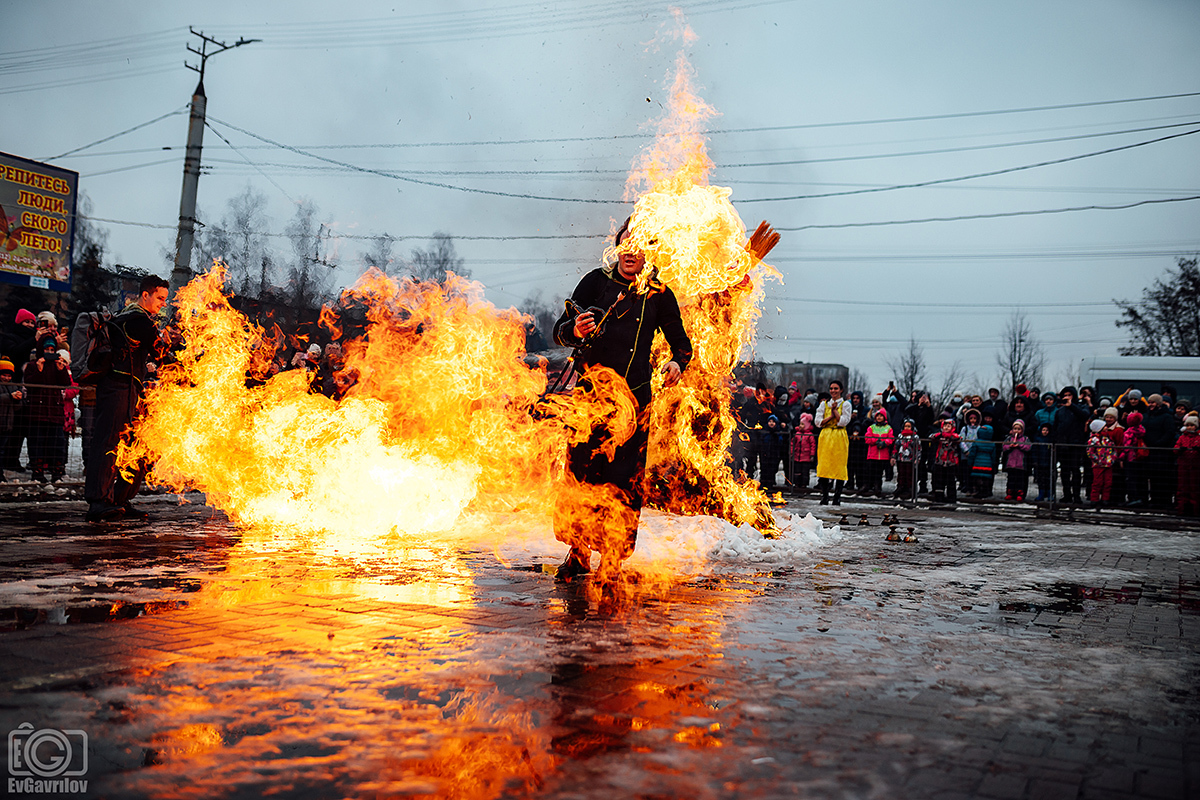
(807, 376)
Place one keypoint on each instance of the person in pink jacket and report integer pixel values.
(1015, 460)
(880, 437)
(1135, 455)
(804, 452)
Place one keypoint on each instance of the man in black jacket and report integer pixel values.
(133, 335)
(629, 321)
(1162, 430)
(1070, 434)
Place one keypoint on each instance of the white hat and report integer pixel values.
(1096, 425)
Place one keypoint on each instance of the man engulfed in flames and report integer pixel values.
(611, 321)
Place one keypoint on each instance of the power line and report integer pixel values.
(758, 129)
(130, 167)
(746, 165)
(964, 149)
(989, 174)
(407, 179)
(997, 215)
(364, 236)
(138, 127)
(251, 163)
(849, 192)
(905, 304)
(91, 78)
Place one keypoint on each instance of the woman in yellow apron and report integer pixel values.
(833, 445)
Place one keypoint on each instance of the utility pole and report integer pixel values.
(182, 272)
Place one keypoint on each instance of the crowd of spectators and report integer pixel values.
(1134, 451)
(42, 405)
(37, 396)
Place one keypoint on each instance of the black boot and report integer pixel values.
(575, 565)
(824, 484)
(837, 492)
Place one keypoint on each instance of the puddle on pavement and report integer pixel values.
(1074, 598)
(430, 669)
(422, 669)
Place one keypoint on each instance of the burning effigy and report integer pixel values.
(439, 419)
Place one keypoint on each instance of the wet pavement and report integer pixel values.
(994, 657)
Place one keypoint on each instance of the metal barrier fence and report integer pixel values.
(1152, 469)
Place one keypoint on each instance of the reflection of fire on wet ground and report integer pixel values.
(307, 679)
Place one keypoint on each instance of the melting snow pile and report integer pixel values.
(688, 544)
(697, 543)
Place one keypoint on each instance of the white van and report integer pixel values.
(1112, 375)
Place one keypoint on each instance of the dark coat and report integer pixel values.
(9, 405)
(1070, 424)
(922, 417)
(1162, 429)
(133, 335)
(624, 344)
(46, 404)
(1012, 416)
(18, 344)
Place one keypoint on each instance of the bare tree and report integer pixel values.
(381, 255)
(859, 381)
(309, 273)
(90, 289)
(441, 258)
(908, 367)
(544, 314)
(1167, 320)
(1021, 358)
(241, 240)
(954, 379)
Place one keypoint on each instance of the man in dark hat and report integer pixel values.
(1069, 434)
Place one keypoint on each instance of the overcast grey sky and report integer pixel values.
(450, 95)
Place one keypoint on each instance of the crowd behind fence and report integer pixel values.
(1043, 448)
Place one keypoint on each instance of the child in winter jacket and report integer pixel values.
(1102, 454)
(1014, 457)
(945, 462)
(983, 462)
(804, 452)
(1187, 452)
(12, 397)
(1115, 431)
(1043, 466)
(1135, 456)
(880, 437)
(967, 434)
(906, 455)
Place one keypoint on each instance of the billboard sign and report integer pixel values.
(37, 223)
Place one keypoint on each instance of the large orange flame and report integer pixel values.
(695, 243)
(438, 413)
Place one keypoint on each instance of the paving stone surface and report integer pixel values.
(993, 658)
